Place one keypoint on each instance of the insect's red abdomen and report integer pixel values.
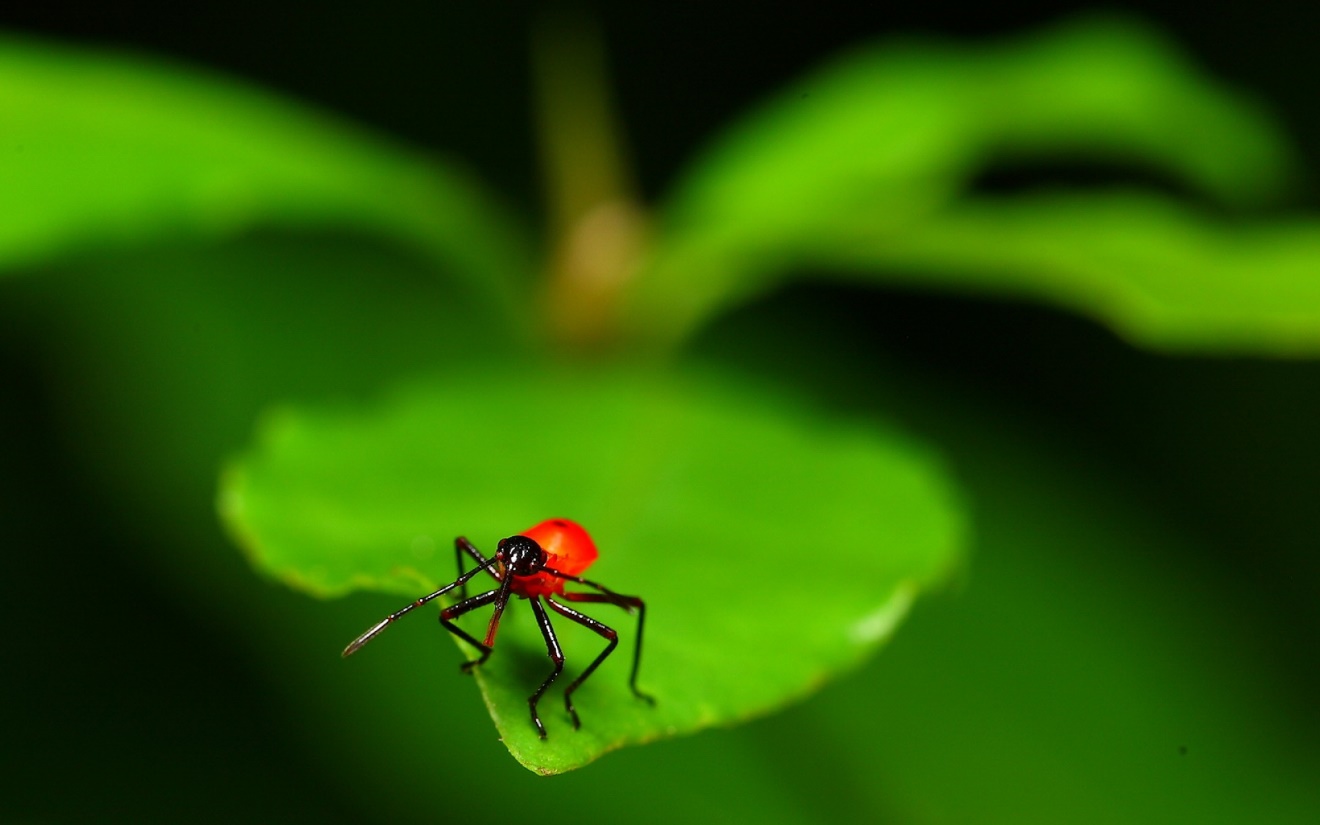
(569, 548)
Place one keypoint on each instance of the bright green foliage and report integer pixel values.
(710, 499)
(103, 149)
(875, 148)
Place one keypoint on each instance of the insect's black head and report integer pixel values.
(521, 555)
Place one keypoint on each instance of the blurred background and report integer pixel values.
(1135, 640)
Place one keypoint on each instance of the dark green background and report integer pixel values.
(126, 697)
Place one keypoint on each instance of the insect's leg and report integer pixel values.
(629, 603)
(556, 656)
(456, 610)
(462, 568)
(461, 546)
(600, 628)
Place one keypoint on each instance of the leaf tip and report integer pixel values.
(880, 623)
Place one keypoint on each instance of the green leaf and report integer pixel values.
(98, 149)
(896, 133)
(774, 547)
(1159, 273)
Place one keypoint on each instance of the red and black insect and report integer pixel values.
(533, 565)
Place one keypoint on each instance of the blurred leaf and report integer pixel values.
(709, 499)
(1158, 272)
(98, 149)
(896, 133)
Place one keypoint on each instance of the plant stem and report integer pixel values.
(597, 226)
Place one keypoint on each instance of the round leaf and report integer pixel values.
(773, 547)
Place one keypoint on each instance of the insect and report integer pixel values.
(533, 565)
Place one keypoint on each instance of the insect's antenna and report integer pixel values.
(379, 627)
